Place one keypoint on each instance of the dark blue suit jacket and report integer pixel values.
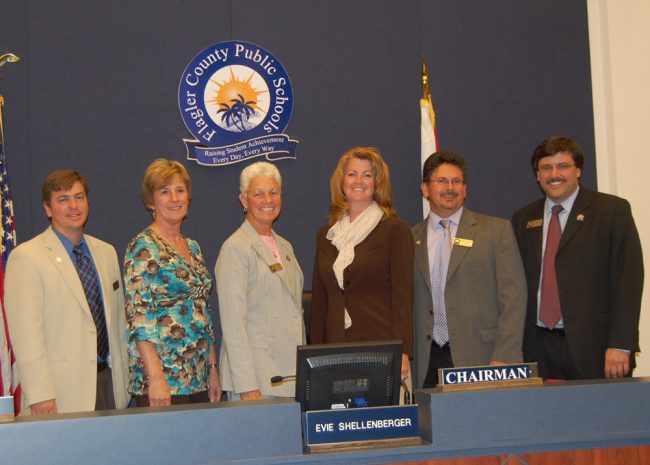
(599, 268)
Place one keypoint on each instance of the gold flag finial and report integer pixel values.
(8, 58)
(425, 80)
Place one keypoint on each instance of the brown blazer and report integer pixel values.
(378, 288)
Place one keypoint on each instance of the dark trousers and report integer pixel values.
(199, 397)
(439, 357)
(105, 398)
(554, 360)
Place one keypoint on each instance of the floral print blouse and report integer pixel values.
(167, 305)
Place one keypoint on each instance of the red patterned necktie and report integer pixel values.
(549, 307)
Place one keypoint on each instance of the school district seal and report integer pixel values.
(236, 100)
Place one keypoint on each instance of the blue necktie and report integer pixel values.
(438, 284)
(90, 283)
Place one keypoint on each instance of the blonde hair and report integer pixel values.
(383, 193)
(158, 174)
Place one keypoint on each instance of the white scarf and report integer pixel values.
(345, 235)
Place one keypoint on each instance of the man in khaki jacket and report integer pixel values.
(52, 327)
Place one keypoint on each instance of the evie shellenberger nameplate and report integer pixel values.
(483, 377)
(360, 424)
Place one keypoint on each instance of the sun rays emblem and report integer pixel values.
(237, 98)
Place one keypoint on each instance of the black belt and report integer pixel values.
(558, 331)
(101, 366)
(445, 346)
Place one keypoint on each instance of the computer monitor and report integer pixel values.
(344, 375)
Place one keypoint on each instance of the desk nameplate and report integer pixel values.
(488, 377)
(359, 427)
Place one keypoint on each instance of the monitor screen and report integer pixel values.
(355, 374)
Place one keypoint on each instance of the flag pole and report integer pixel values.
(425, 80)
(9, 383)
(428, 136)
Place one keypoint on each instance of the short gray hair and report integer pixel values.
(261, 168)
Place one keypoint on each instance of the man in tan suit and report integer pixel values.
(470, 289)
(55, 316)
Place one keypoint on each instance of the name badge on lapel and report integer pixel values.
(534, 223)
(459, 241)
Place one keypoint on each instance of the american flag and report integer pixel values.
(9, 380)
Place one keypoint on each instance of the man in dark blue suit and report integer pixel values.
(584, 269)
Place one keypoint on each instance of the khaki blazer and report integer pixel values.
(261, 314)
(51, 326)
(485, 295)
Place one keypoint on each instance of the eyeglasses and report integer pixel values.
(444, 182)
(561, 167)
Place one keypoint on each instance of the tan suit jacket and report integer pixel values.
(261, 314)
(51, 326)
(485, 295)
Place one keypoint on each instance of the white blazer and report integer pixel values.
(51, 326)
(261, 313)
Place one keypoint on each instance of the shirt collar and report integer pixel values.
(69, 246)
(567, 205)
(434, 220)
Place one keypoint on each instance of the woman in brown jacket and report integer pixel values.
(363, 272)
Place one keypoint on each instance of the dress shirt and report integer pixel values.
(436, 234)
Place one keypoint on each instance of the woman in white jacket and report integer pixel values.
(259, 286)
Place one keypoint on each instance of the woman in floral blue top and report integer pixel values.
(172, 357)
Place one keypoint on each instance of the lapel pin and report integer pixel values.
(58, 259)
(534, 223)
(418, 242)
(580, 217)
(275, 267)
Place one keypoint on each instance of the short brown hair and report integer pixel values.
(61, 180)
(158, 174)
(383, 193)
(554, 145)
(440, 158)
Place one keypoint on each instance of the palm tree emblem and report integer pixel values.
(238, 113)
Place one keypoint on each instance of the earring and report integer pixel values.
(245, 209)
(153, 214)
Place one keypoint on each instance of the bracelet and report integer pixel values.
(212, 365)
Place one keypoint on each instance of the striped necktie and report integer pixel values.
(438, 284)
(90, 283)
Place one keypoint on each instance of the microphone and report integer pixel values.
(281, 379)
